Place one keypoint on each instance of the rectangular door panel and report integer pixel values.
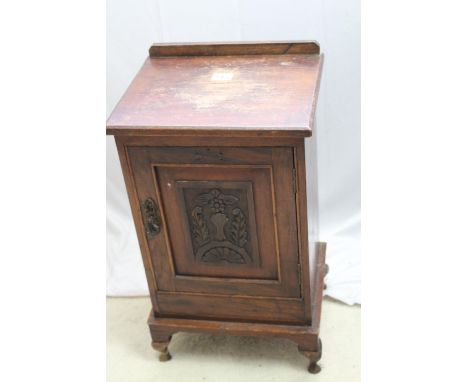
(222, 220)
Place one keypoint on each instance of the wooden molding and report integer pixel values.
(233, 48)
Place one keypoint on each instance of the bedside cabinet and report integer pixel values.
(211, 143)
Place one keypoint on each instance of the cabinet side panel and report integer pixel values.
(312, 186)
(306, 260)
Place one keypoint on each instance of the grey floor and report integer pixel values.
(201, 357)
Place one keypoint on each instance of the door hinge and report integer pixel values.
(294, 180)
(299, 276)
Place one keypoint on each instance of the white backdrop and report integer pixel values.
(132, 26)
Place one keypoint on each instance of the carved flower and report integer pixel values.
(216, 200)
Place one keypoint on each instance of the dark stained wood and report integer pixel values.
(306, 336)
(313, 356)
(303, 232)
(156, 171)
(182, 198)
(214, 141)
(136, 212)
(318, 282)
(232, 48)
(162, 348)
(238, 308)
(256, 95)
(211, 143)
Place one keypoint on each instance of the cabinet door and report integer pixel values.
(219, 221)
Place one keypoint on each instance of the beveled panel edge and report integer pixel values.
(217, 279)
(227, 279)
(223, 189)
(233, 296)
(176, 140)
(315, 97)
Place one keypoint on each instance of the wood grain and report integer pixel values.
(233, 48)
(318, 282)
(305, 335)
(263, 95)
(202, 306)
(156, 171)
(211, 143)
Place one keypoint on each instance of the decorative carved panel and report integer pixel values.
(219, 223)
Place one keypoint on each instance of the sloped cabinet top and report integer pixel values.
(251, 89)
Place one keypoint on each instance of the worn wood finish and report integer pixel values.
(211, 143)
(244, 95)
(304, 336)
(232, 48)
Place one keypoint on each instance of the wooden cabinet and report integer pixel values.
(211, 142)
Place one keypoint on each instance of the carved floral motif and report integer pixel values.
(219, 228)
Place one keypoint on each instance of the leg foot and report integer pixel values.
(314, 356)
(314, 368)
(163, 350)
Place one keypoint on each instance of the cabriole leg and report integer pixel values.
(162, 348)
(314, 356)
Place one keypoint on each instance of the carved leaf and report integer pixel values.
(204, 199)
(238, 228)
(228, 199)
(201, 234)
(215, 195)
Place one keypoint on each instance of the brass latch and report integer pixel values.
(151, 217)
